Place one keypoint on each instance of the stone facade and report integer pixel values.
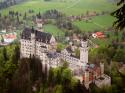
(43, 45)
(36, 44)
(32, 45)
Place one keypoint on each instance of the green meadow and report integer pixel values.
(53, 30)
(97, 23)
(68, 7)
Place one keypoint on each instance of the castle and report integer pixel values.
(43, 45)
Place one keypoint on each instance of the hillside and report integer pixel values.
(69, 7)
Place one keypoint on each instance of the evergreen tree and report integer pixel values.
(5, 54)
(120, 15)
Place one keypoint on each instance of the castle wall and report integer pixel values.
(26, 47)
(74, 63)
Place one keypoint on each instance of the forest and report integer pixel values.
(30, 76)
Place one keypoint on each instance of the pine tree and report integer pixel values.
(120, 15)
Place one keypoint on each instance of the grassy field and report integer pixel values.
(53, 30)
(75, 7)
(97, 23)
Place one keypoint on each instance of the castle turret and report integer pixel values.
(86, 76)
(102, 68)
(39, 22)
(84, 51)
(33, 42)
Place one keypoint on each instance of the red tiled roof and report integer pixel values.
(99, 33)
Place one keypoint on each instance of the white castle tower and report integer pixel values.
(33, 42)
(102, 68)
(84, 51)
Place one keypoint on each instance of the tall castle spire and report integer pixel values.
(84, 51)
